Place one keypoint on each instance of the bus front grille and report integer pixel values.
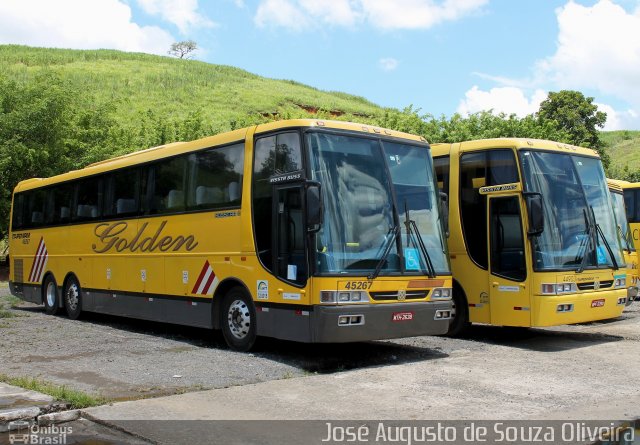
(591, 285)
(393, 296)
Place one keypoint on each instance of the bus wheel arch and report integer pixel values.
(50, 295)
(218, 295)
(460, 320)
(72, 296)
(237, 316)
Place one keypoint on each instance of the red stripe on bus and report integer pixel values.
(203, 272)
(43, 260)
(36, 260)
(209, 282)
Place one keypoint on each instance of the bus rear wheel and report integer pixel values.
(73, 298)
(50, 295)
(238, 320)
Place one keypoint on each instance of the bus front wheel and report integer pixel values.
(50, 297)
(460, 314)
(73, 298)
(238, 320)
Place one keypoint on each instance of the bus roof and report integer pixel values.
(176, 148)
(517, 143)
(615, 185)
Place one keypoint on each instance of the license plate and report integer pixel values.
(402, 316)
(597, 303)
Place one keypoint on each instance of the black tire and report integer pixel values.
(238, 320)
(459, 323)
(50, 295)
(72, 296)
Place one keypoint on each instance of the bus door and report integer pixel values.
(290, 233)
(509, 296)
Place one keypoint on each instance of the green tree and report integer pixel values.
(46, 128)
(576, 115)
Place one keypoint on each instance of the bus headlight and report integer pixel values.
(333, 297)
(441, 293)
(558, 289)
(620, 282)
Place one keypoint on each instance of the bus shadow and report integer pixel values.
(312, 358)
(537, 339)
(330, 358)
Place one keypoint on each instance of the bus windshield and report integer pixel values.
(579, 227)
(381, 207)
(624, 230)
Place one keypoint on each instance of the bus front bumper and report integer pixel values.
(351, 323)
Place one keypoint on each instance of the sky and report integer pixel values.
(440, 56)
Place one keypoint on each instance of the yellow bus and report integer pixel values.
(305, 230)
(533, 238)
(616, 188)
(631, 192)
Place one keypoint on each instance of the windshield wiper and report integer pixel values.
(606, 245)
(411, 224)
(394, 232)
(624, 237)
(589, 233)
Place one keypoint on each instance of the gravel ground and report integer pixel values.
(126, 359)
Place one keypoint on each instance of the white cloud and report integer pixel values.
(598, 47)
(416, 14)
(280, 13)
(388, 64)
(182, 13)
(383, 14)
(618, 120)
(78, 24)
(501, 100)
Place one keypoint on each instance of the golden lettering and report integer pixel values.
(110, 235)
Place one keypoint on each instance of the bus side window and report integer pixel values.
(168, 185)
(441, 167)
(17, 220)
(35, 208)
(88, 201)
(216, 178)
(122, 193)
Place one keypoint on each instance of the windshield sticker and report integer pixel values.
(602, 255)
(263, 290)
(499, 188)
(278, 179)
(411, 259)
(292, 272)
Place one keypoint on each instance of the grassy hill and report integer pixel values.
(139, 84)
(624, 149)
(174, 87)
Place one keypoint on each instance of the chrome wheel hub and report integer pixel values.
(73, 297)
(51, 294)
(239, 319)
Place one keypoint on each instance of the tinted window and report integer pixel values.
(60, 203)
(35, 208)
(273, 155)
(477, 170)
(216, 178)
(441, 166)
(17, 217)
(507, 241)
(122, 193)
(169, 185)
(89, 199)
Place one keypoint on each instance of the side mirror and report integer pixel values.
(535, 212)
(314, 208)
(444, 212)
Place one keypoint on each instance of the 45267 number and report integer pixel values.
(358, 285)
